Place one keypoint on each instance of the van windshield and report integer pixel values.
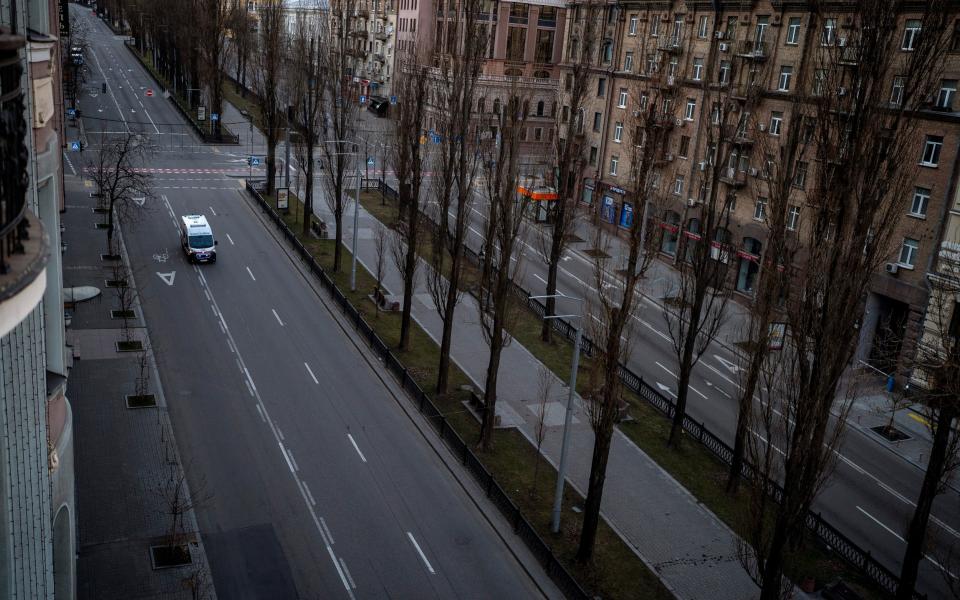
(201, 241)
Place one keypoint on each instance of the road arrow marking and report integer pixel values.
(167, 277)
(727, 364)
(139, 201)
(665, 388)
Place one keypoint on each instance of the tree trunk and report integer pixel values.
(773, 568)
(443, 375)
(743, 419)
(916, 534)
(490, 389)
(308, 193)
(338, 222)
(683, 385)
(598, 475)
(409, 271)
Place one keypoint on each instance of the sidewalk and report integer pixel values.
(126, 459)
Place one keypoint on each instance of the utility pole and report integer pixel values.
(286, 160)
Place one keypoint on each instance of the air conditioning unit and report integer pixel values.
(892, 268)
(679, 122)
(753, 172)
(691, 202)
(842, 42)
(671, 80)
(719, 34)
(724, 47)
(762, 127)
(842, 91)
(636, 114)
(668, 157)
(703, 165)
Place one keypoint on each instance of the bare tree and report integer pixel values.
(411, 81)
(267, 76)
(568, 149)
(307, 79)
(211, 24)
(545, 381)
(453, 95)
(506, 214)
(117, 171)
(243, 41)
(864, 150)
(381, 241)
(612, 311)
(338, 127)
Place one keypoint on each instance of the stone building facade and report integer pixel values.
(682, 43)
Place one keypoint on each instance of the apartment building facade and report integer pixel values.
(37, 508)
(372, 29)
(682, 44)
(524, 43)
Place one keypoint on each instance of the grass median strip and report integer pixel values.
(693, 466)
(616, 571)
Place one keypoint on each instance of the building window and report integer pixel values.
(911, 34)
(704, 27)
(698, 68)
(655, 25)
(633, 24)
(921, 197)
(793, 217)
(607, 52)
(678, 186)
(671, 227)
(731, 33)
(516, 39)
(908, 253)
(544, 52)
(786, 73)
(715, 113)
(644, 98)
(597, 120)
(828, 35)
(760, 209)
(672, 70)
(776, 122)
(618, 132)
(537, 134)
(601, 87)
(896, 94)
(800, 175)
(793, 31)
(564, 114)
(691, 108)
(614, 163)
(628, 62)
(593, 155)
(819, 82)
(684, 151)
(724, 75)
(651, 63)
(948, 89)
(622, 100)
(749, 265)
(931, 151)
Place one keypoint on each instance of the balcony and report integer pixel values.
(753, 50)
(670, 44)
(362, 11)
(734, 178)
(737, 135)
(848, 56)
(382, 36)
(358, 33)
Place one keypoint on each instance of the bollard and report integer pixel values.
(890, 383)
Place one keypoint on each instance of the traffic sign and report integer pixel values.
(149, 93)
(71, 112)
(363, 99)
(393, 99)
(436, 139)
(214, 117)
(254, 161)
(370, 161)
(74, 146)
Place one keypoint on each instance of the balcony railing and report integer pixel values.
(669, 43)
(753, 49)
(733, 177)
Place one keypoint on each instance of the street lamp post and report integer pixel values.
(561, 469)
(356, 211)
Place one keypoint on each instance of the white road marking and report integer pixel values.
(230, 239)
(213, 211)
(357, 448)
(310, 496)
(323, 523)
(314, 377)
(347, 573)
(542, 280)
(420, 552)
(677, 378)
(287, 458)
(251, 274)
(274, 311)
(897, 535)
(260, 412)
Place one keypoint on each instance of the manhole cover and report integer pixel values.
(141, 401)
(130, 346)
(115, 283)
(109, 257)
(890, 433)
(103, 226)
(122, 314)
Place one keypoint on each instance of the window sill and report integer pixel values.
(905, 267)
(929, 165)
(621, 106)
(617, 141)
(759, 220)
(917, 216)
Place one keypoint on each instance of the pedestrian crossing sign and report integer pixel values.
(74, 146)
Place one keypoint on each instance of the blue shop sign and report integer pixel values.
(608, 210)
(626, 215)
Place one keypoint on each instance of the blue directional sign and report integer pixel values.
(393, 99)
(436, 139)
(74, 146)
(363, 99)
(254, 161)
(71, 112)
(370, 161)
(214, 117)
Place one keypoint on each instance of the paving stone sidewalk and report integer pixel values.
(126, 459)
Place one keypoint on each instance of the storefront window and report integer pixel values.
(749, 265)
(671, 228)
(608, 209)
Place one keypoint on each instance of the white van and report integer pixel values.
(196, 238)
